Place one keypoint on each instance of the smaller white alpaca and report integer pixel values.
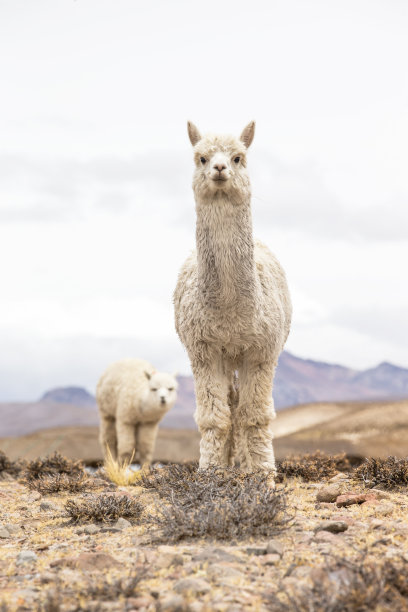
(132, 399)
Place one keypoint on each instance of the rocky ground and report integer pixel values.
(344, 547)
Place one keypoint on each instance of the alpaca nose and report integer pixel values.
(220, 167)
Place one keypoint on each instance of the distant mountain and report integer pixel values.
(69, 395)
(298, 381)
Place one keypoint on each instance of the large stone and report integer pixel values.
(122, 523)
(194, 586)
(88, 562)
(274, 548)
(214, 555)
(172, 603)
(330, 493)
(332, 526)
(26, 556)
(349, 499)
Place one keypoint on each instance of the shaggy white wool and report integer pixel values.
(232, 309)
(132, 399)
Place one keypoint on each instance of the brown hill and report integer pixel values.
(357, 428)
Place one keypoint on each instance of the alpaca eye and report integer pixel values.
(171, 388)
(154, 389)
(203, 160)
(236, 160)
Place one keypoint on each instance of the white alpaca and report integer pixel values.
(232, 310)
(132, 399)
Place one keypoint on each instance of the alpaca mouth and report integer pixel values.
(219, 179)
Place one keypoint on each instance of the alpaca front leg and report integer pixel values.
(107, 436)
(212, 415)
(146, 439)
(254, 415)
(126, 440)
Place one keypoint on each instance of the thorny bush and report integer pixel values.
(312, 466)
(389, 473)
(103, 508)
(358, 585)
(219, 503)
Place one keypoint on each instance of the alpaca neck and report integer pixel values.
(225, 252)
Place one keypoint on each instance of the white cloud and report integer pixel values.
(96, 206)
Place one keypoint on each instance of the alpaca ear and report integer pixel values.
(193, 133)
(148, 376)
(248, 134)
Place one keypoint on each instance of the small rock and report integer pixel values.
(196, 606)
(195, 586)
(47, 506)
(271, 559)
(87, 562)
(112, 529)
(354, 498)
(326, 536)
(13, 529)
(256, 550)
(122, 523)
(219, 570)
(274, 547)
(384, 509)
(339, 477)
(332, 526)
(330, 493)
(172, 603)
(26, 556)
(214, 554)
(138, 602)
(33, 497)
(4, 533)
(91, 529)
(376, 523)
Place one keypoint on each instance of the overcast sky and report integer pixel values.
(96, 206)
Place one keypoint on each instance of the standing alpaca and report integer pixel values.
(132, 399)
(232, 309)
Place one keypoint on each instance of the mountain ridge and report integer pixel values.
(298, 381)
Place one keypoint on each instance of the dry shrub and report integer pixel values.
(389, 473)
(8, 467)
(125, 586)
(55, 483)
(120, 472)
(104, 509)
(312, 466)
(223, 504)
(359, 585)
(56, 464)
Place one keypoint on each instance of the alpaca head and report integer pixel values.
(162, 389)
(220, 164)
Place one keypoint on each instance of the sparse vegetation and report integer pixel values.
(55, 464)
(312, 466)
(215, 503)
(359, 585)
(103, 508)
(55, 483)
(8, 467)
(120, 472)
(389, 473)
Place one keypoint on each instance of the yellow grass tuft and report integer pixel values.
(120, 472)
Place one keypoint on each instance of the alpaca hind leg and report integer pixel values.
(126, 440)
(147, 434)
(254, 415)
(107, 436)
(213, 415)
